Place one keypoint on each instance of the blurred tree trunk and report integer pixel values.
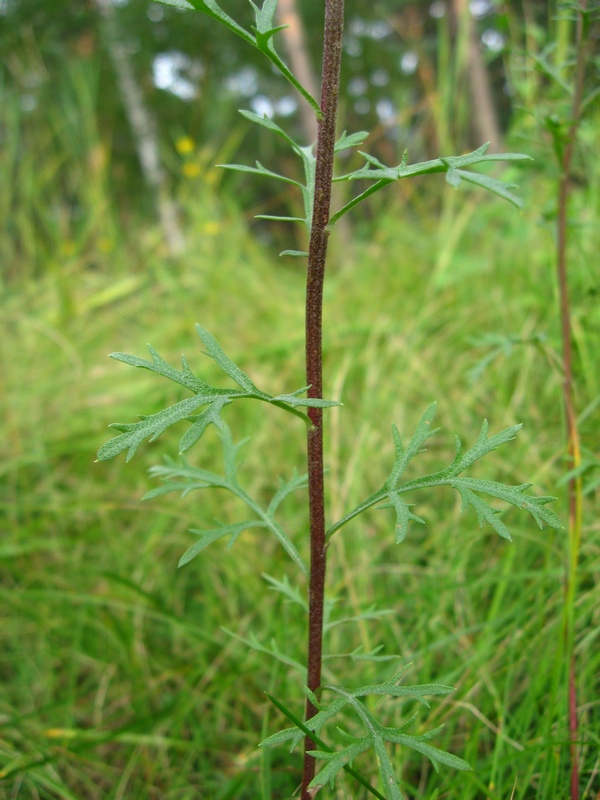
(484, 119)
(295, 45)
(143, 127)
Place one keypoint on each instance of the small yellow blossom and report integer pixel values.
(185, 145)
(211, 228)
(61, 733)
(191, 169)
(105, 245)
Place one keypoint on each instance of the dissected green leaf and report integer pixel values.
(358, 654)
(259, 170)
(515, 495)
(293, 594)
(294, 401)
(286, 488)
(403, 515)
(183, 477)
(376, 734)
(212, 9)
(211, 415)
(185, 376)
(180, 476)
(337, 761)
(133, 434)
(491, 184)
(453, 166)
(266, 122)
(301, 726)
(308, 157)
(370, 613)
(469, 488)
(264, 31)
(278, 219)
(151, 426)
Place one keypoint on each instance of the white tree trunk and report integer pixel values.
(143, 128)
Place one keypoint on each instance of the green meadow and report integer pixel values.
(122, 676)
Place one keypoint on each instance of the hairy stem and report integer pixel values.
(574, 488)
(317, 252)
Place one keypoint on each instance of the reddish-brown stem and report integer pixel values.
(568, 399)
(317, 252)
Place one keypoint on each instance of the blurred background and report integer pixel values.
(117, 679)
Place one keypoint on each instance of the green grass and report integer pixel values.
(116, 678)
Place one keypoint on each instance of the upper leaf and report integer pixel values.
(453, 166)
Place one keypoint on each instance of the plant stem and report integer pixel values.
(573, 449)
(317, 252)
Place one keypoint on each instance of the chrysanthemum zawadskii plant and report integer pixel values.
(206, 405)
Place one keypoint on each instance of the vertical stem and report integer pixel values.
(574, 488)
(317, 251)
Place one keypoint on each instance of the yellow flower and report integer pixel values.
(211, 228)
(185, 145)
(191, 169)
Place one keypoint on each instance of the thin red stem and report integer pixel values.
(317, 252)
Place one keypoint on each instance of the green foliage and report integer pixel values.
(185, 478)
(467, 487)
(376, 737)
(261, 36)
(133, 434)
(308, 162)
(452, 166)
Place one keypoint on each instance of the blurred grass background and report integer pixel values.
(117, 678)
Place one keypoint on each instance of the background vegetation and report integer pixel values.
(116, 675)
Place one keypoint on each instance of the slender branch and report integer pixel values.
(317, 252)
